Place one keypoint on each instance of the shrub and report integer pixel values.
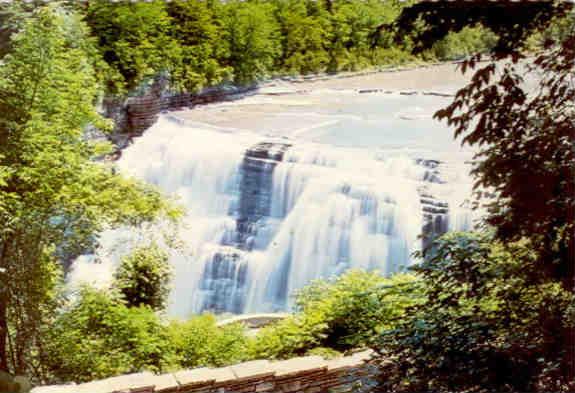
(143, 277)
(293, 336)
(200, 342)
(98, 337)
(468, 41)
(342, 313)
(490, 322)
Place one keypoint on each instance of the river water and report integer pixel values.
(286, 186)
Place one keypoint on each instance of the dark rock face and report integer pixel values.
(256, 188)
(432, 174)
(133, 115)
(435, 218)
(224, 280)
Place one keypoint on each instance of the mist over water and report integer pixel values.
(293, 189)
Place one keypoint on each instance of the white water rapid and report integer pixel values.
(266, 216)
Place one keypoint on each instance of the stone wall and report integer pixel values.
(310, 374)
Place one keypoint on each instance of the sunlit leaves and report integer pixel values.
(54, 199)
(344, 313)
(143, 277)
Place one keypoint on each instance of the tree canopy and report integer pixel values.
(499, 309)
(143, 277)
(489, 323)
(54, 198)
(431, 21)
(206, 42)
(526, 156)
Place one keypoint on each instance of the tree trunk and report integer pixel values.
(3, 335)
(3, 307)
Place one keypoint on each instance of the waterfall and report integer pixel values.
(201, 168)
(339, 210)
(265, 217)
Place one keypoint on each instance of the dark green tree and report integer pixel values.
(143, 278)
(304, 37)
(427, 22)
(134, 39)
(490, 322)
(197, 29)
(252, 34)
(519, 113)
(526, 157)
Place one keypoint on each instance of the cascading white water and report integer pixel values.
(200, 168)
(264, 219)
(340, 210)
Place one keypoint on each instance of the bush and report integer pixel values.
(490, 322)
(143, 277)
(199, 342)
(98, 337)
(468, 41)
(342, 313)
(293, 336)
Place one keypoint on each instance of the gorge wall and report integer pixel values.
(134, 114)
(311, 374)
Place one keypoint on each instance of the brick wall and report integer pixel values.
(310, 374)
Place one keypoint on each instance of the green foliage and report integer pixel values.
(197, 28)
(376, 300)
(525, 156)
(468, 41)
(134, 39)
(143, 277)
(353, 24)
(526, 161)
(490, 322)
(207, 42)
(499, 311)
(426, 23)
(53, 198)
(290, 337)
(199, 342)
(253, 38)
(98, 337)
(304, 37)
(340, 314)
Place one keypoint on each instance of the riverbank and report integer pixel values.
(410, 77)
